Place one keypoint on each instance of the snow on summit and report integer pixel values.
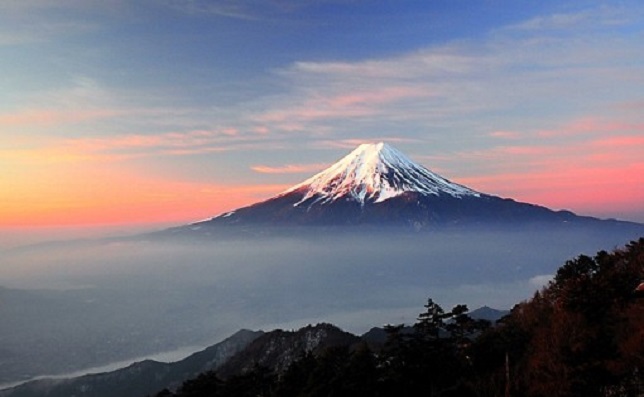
(374, 172)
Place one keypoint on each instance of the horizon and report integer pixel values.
(119, 117)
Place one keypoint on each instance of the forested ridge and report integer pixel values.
(582, 335)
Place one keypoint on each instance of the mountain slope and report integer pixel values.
(378, 185)
(237, 354)
(139, 379)
(278, 349)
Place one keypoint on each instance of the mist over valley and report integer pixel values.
(74, 305)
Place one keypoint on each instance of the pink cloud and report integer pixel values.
(53, 117)
(505, 134)
(576, 188)
(190, 140)
(588, 125)
(617, 141)
(261, 130)
(189, 151)
(598, 173)
(631, 105)
(588, 179)
(384, 95)
(352, 143)
(289, 168)
(311, 111)
(526, 150)
(121, 147)
(355, 104)
(340, 144)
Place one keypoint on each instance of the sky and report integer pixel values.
(131, 114)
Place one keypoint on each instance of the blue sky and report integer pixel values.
(119, 112)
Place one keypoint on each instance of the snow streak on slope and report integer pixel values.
(374, 173)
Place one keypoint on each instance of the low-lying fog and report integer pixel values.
(64, 307)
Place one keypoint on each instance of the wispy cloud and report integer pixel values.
(244, 10)
(289, 168)
(351, 143)
(458, 89)
(176, 140)
(607, 15)
(356, 104)
(492, 86)
(36, 21)
(505, 134)
(24, 6)
(81, 99)
(54, 117)
(634, 142)
(586, 174)
(87, 116)
(223, 8)
(121, 147)
(593, 125)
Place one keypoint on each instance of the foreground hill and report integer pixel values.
(238, 354)
(241, 353)
(582, 335)
(139, 378)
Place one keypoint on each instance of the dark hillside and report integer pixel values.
(582, 335)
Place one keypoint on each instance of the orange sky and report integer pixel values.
(52, 188)
(105, 121)
(109, 196)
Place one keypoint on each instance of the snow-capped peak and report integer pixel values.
(375, 172)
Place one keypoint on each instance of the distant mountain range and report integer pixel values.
(235, 355)
(376, 184)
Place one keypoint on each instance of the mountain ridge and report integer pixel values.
(140, 378)
(237, 354)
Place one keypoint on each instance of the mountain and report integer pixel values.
(237, 354)
(376, 184)
(141, 378)
(278, 349)
(488, 313)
